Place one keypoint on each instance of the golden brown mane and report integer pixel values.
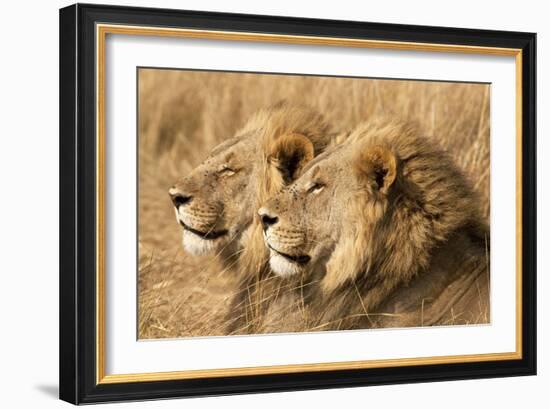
(290, 137)
(424, 208)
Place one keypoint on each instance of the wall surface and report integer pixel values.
(29, 216)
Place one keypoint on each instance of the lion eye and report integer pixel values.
(316, 187)
(226, 171)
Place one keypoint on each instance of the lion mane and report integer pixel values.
(290, 136)
(421, 254)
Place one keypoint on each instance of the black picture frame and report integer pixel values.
(77, 317)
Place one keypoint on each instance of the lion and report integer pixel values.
(216, 203)
(385, 231)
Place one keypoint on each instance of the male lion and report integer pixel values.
(387, 232)
(216, 203)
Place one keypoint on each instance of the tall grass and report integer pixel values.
(184, 114)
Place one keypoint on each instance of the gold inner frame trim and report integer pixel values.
(101, 33)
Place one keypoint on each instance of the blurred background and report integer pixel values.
(184, 114)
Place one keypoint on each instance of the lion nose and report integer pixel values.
(266, 218)
(178, 198)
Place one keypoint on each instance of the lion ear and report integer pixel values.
(379, 166)
(289, 154)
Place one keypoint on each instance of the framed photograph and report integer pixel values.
(257, 203)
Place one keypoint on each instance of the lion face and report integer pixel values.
(305, 222)
(216, 203)
(209, 201)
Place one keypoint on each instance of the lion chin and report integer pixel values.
(283, 267)
(197, 246)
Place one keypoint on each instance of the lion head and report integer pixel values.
(216, 202)
(369, 211)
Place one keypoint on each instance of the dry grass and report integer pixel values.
(183, 114)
